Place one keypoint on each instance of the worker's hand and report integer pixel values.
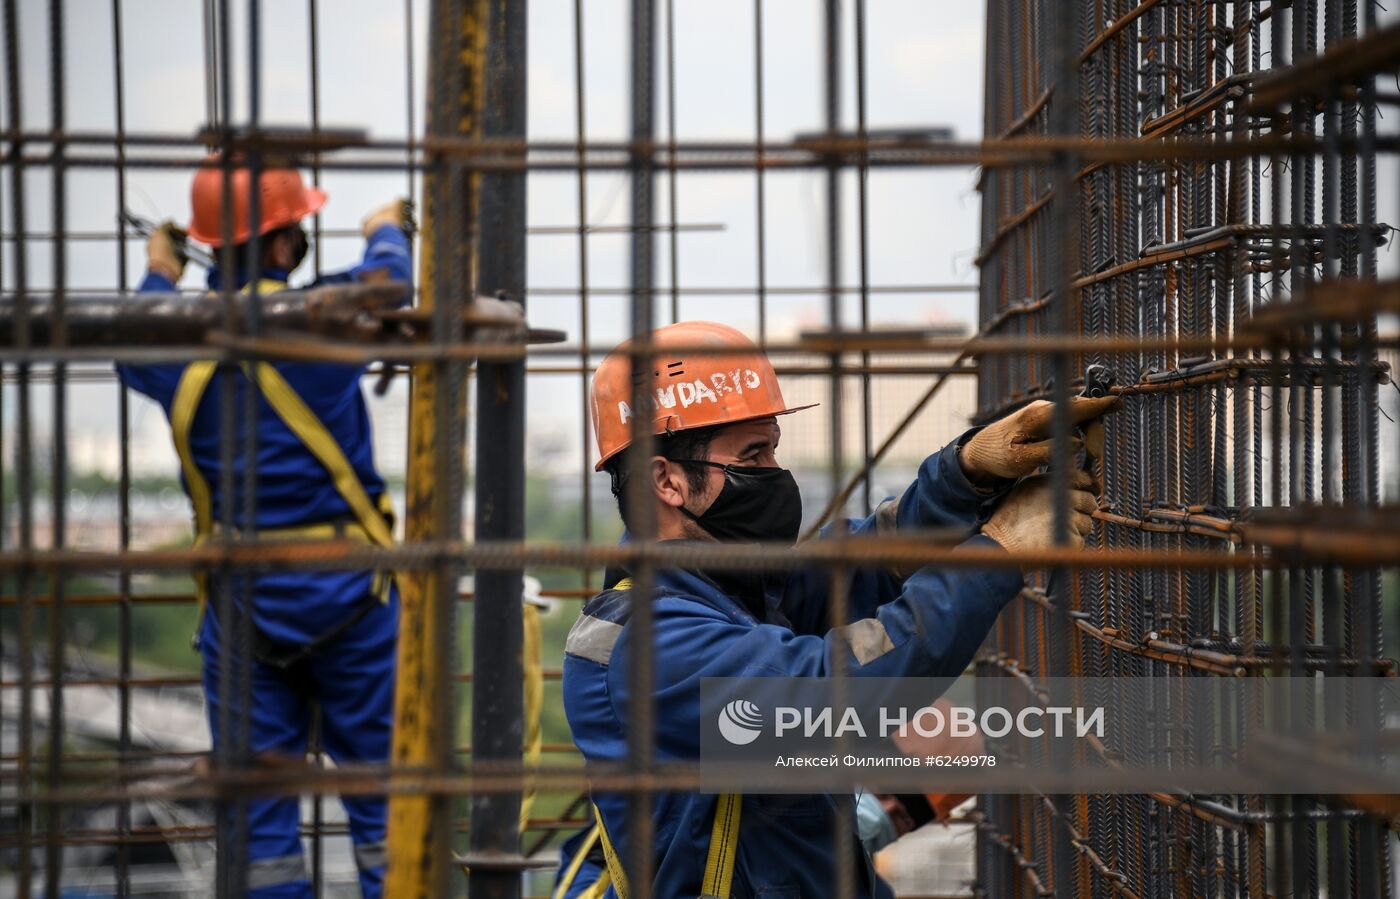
(396, 213)
(1016, 445)
(164, 253)
(1025, 520)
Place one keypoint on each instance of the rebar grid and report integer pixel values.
(1185, 256)
(1178, 134)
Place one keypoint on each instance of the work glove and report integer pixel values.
(165, 253)
(398, 213)
(1017, 444)
(1025, 520)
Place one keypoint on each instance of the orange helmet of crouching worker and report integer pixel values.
(730, 383)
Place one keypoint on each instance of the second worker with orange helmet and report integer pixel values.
(324, 639)
(712, 475)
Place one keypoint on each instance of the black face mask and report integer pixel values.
(756, 504)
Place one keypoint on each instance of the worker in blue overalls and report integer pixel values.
(328, 637)
(713, 476)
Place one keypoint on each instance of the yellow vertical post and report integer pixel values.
(421, 832)
(411, 844)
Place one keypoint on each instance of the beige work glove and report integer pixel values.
(163, 253)
(1025, 520)
(1016, 445)
(396, 213)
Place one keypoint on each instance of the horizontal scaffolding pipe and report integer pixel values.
(350, 312)
(345, 311)
(1301, 544)
(355, 353)
(482, 155)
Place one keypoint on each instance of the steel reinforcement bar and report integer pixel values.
(1210, 443)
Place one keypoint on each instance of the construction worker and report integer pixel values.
(713, 476)
(326, 638)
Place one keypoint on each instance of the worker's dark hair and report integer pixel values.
(680, 447)
(295, 232)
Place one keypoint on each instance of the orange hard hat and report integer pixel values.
(286, 200)
(690, 390)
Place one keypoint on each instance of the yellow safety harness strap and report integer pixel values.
(188, 393)
(571, 872)
(615, 870)
(724, 839)
(374, 520)
(719, 863)
(311, 431)
(193, 382)
(599, 888)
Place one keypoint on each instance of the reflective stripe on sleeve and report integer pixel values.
(867, 638)
(593, 639)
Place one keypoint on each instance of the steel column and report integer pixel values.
(497, 688)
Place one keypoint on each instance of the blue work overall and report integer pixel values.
(926, 624)
(312, 426)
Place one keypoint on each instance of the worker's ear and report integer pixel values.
(669, 482)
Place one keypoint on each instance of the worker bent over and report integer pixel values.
(322, 638)
(714, 476)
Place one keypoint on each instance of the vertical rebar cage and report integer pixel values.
(1188, 192)
(1231, 293)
